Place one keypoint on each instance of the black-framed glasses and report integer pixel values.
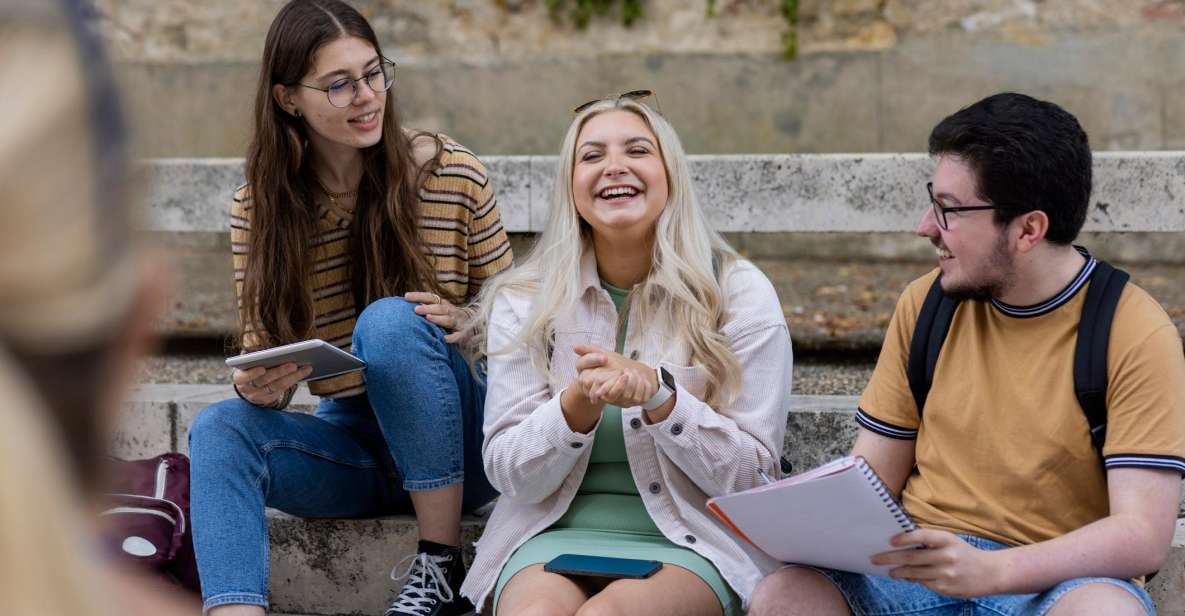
(342, 92)
(634, 95)
(940, 211)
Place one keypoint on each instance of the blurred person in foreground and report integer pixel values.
(76, 305)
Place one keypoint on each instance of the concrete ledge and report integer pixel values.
(156, 419)
(328, 567)
(342, 566)
(1134, 191)
(1168, 587)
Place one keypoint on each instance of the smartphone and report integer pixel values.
(602, 566)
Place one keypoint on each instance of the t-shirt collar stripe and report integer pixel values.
(1056, 301)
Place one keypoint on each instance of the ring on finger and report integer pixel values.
(435, 298)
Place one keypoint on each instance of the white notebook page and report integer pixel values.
(837, 520)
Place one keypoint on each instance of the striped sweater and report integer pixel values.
(459, 226)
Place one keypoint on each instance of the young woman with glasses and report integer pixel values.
(357, 231)
(637, 367)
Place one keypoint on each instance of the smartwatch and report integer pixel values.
(666, 389)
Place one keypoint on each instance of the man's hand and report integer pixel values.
(944, 563)
(441, 312)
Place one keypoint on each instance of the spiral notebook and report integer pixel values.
(835, 516)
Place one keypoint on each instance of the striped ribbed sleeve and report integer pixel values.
(461, 225)
(240, 238)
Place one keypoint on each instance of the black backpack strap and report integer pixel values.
(1090, 352)
(929, 334)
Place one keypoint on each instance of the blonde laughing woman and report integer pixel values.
(637, 367)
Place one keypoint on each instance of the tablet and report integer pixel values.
(326, 359)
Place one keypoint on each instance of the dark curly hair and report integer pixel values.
(1027, 155)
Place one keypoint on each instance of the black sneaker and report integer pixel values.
(432, 587)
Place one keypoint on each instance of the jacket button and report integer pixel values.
(689, 538)
(577, 445)
(635, 423)
(655, 488)
(677, 429)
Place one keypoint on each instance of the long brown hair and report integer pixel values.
(386, 252)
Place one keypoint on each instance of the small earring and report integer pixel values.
(296, 112)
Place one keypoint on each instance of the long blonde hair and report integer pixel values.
(682, 293)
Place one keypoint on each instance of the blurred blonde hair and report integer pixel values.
(67, 270)
(682, 294)
(68, 276)
(45, 546)
(70, 269)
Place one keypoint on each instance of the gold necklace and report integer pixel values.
(333, 197)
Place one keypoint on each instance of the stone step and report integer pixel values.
(740, 193)
(829, 303)
(343, 566)
(858, 207)
(331, 567)
(204, 363)
(156, 418)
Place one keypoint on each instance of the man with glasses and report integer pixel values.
(1020, 513)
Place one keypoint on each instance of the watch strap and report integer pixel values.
(664, 392)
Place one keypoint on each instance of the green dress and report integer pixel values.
(607, 516)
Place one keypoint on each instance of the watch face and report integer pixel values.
(667, 378)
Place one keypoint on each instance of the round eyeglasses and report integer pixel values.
(342, 92)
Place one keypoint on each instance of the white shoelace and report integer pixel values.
(426, 584)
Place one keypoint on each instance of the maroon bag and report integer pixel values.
(147, 520)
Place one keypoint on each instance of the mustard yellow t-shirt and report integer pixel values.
(1003, 448)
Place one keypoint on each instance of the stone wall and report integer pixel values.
(483, 31)
(870, 76)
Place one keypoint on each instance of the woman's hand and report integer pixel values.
(612, 378)
(441, 312)
(581, 413)
(266, 386)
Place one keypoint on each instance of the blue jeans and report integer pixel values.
(871, 595)
(418, 427)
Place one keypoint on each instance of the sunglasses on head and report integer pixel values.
(634, 95)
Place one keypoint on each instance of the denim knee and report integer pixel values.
(223, 425)
(391, 318)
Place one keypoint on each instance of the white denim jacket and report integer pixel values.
(537, 462)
